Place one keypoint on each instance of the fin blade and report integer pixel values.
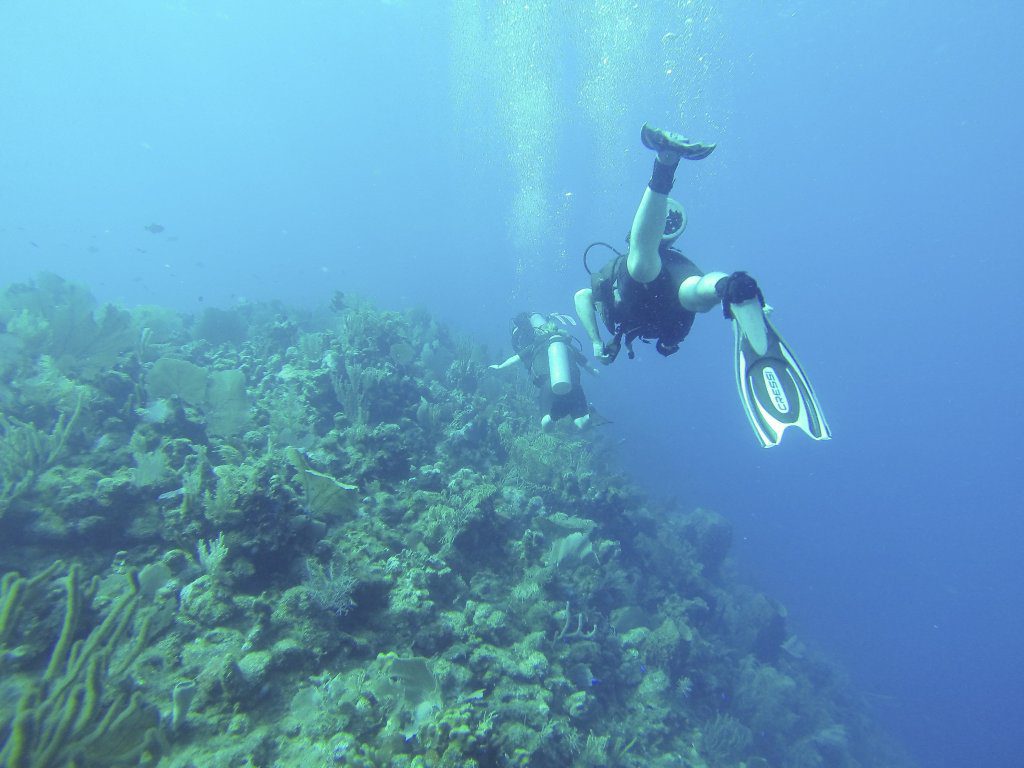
(775, 392)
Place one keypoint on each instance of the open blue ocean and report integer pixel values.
(457, 157)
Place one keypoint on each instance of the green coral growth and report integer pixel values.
(356, 548)
(73, 712)
(26, 452)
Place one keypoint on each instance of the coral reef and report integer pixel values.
(333, 538)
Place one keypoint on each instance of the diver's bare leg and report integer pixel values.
(643, 261)
(744, 303)
(698, 294)
(740, 293)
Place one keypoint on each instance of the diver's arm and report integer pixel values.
(584, 300)
(505, 364)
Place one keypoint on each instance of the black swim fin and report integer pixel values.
(661, 140)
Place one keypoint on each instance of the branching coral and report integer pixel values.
(75, 712)
(27, 451)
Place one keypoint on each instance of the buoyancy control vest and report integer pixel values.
(646, 311)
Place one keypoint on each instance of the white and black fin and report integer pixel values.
(775, 391)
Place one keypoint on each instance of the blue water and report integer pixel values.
(460, 155)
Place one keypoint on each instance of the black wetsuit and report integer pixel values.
(646, 311)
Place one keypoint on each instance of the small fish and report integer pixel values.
(155, 228)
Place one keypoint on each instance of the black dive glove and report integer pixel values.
(736, 289)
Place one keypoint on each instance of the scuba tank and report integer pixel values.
(546, 333)
(559, 370)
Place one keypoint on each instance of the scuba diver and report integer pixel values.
(653, 292)
(551, 355)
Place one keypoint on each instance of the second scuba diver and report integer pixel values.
(550, 354)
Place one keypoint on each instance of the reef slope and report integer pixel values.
(271, 537)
